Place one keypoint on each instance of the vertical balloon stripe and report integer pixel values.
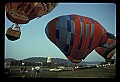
(69, 50)
(75, 46)
(84, 39)
(77, 36)
(92, 32)
(102, 36)
(68, 25)
(105, 37)
(93, 29)
(88, 33)
(90, 42)
(52, 30)
(87, 30)
(66, 48)
(77, 24)
(82, 33)
(79, 46)
(81, 26)
(68, 39)
(73, 26)
(81, 37)
(72, 39)
(80, 55)
(75, 55)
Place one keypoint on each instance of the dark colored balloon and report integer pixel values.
(76, 36)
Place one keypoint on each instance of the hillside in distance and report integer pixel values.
(54, 60)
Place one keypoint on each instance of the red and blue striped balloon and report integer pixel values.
(76, 36)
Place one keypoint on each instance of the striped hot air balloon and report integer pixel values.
(76, 36)
(109, 51)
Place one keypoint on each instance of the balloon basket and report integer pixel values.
(12, 34)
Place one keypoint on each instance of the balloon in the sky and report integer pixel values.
(76, 36)
(109, 51)
(22, 13)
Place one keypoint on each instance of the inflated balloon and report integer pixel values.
(23, 12)
(76, 36)
(109, 51)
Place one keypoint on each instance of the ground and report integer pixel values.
(100, 72)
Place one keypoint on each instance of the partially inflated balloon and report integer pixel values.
(76, 36)
(23, 12)
(108, 52)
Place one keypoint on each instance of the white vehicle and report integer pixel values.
(55, 69)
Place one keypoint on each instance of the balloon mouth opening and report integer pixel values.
(17, 17)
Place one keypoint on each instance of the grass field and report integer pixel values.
(100, 72)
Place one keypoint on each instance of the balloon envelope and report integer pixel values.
(76, 36)
(107, 53)
(23, 12)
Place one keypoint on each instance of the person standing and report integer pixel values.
(33, 71)
(37, 71)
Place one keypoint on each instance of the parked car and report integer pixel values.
(55, 70)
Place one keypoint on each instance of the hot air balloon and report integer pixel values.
(76, 36)
(23, 12)
(109, 51)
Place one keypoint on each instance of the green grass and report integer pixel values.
(101, 72)
(108, 72)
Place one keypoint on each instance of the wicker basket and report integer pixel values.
(12, 34)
